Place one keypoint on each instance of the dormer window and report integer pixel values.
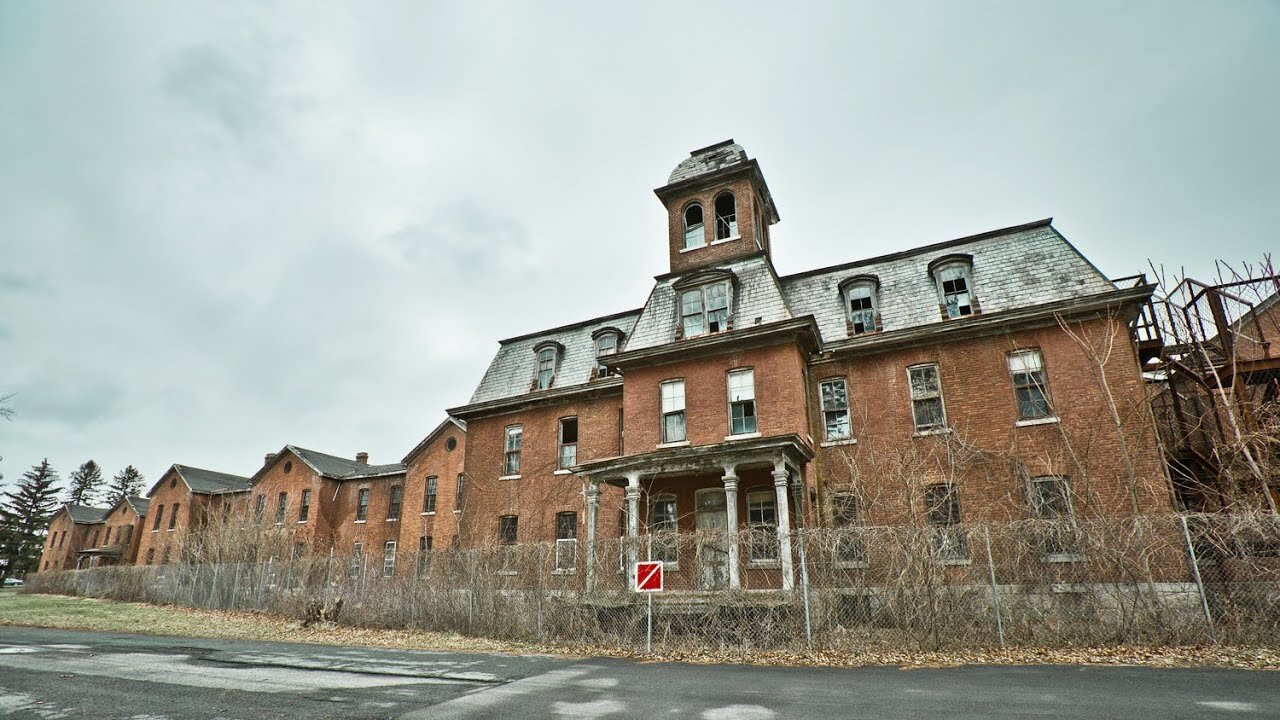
(861, 304)
(705, 310)
(695, 234)
(954, 278)
(726, 216)
(547, 357)
(607, 340)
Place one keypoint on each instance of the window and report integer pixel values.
(288, 467)
(63, 536)
(259, 506)
(362, 505)
(695, 234)
(955, 288)
(1030, 388)
(159, 515)
(942, 510)
(606, 345)
(515, 440)
(282, 504)
(861, 304)
(726, 217)
(429, 497)
(546, 367)
(846, 520)
(835, 408)
(1051, 502)
(664, 543)
(151, 556)
(128, 535)
(395, 502)
(507, 529)
(424, 555)
(704, 310)
(458, 493)
(566, 541)
(742, 402)
(762, 518)
(389, 559)
(304, 509)
(173, 515)
(450, 444)
(568, 442)
(94, 542)
(926, 398)
(106, 538)
(357, 559)
(673, 429)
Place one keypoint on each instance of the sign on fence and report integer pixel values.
(648, 576)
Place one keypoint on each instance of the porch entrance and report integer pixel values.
(713, 540)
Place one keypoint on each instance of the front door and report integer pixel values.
(713, 541)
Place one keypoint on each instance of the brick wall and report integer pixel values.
(709, 254)
(288, 474)
(118, 521)
(169, 491)
(445, 464)
(64, 541)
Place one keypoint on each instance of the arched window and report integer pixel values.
(607, 341)
(726, 216)
(695, 234)
(954, 278)
(861, 303)
(547, 361)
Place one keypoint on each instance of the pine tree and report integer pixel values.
(24, 517)
(126, 483)
(85, 482)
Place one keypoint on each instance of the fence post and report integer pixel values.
(995, 592)
(804, 589)
(1195, 572)
(538, 591)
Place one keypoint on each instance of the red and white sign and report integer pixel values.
(649, 576)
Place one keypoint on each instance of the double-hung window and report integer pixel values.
(389, 559)
(606, 345)
(762, 518)
(568, 442)
(835, 408)
(861, 304)
(942, 509)
(705, 310)
(155, 525)
(395, 502)
(1051, 501)
(673, 428)
(429, 497)
(173, 515)
(955, 288)
(357, 560)
(742, 402)
(546, 367)
(508, 526)
(664, 543)
(566, 541)
(846, 520)
(515, 440)
(1030, 387)
(282, 505)
(362, 505)
(926, 398)
(459, 492)
(424, 555)
(304, 509)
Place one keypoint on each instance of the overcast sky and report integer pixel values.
(224, 228)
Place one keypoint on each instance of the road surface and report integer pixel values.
(62, 674)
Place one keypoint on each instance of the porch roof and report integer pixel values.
(791, 449)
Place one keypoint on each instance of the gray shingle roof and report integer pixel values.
(209, 482)
(512, 369)
(341, 468)
(1030, 265)
(85, 514)
(756, 295)
(708, 160)
(139, 504)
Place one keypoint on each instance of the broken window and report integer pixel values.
(942, 510)
(568, 442)
(546, 367)
(762, 518)
(860, 298)
(1051, 502)
(705, 310)
(362, 505)
(664, 543)
(155, 525)
(726, 217)
(396, 500)
(458, 493)
(515, 440)
(305, 508)
(926, 398)
(429, 497)
(694, 233)
(566, 541)
(955, 287)
(673, 429)
(282, 504)
(259, 507)
(835, 408)
(742, 402)
(389, 559)
(1030, 388)
(173, 515)
(606, 345)
(846, 520)
(508, 526)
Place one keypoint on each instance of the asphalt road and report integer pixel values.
(60, 674)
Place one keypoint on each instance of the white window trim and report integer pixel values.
(943, 429)
(510, 477)
(969, 286)
(875, 304)
(681, 443)
(562, 472)
(706, 323)
(848, 409)
(838, 443)
(722, 241)
(742, 436)
(1051, 420)
(755, 407)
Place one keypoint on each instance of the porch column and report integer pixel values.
(731, 523)
(633, 521)
(593, 513)
(784, 524)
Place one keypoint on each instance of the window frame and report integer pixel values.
(155, 524)
(1059, 539)
(762, 549)
(744, 403)
(430, 493)
(825, 410)
(173, 516)
(871, 284)
(563, 520)
(459, 492)
(362, 504)
(389, 558)
(704, 311)
(512, 451)
(729, 221)
(304, 506)
(613, 336)
(928, 429)
(950, 539)
(505, 523)
(664, 413)
(849, 547)
(544, 378)
(395, 502)
(1041, 385)
(663, 531)
(282, 507)
(561, 445)
(700, 228)
(965, 264)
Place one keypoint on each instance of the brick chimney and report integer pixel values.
(362, 458)
(267, 461)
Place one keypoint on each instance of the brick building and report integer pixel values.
(182, 501)
(71, 529)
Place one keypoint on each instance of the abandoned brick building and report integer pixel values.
(990, 377)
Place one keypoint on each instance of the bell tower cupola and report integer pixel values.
(718, 208)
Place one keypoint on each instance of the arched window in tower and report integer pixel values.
(726, 216)
(695, 234)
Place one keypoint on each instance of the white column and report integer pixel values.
(784, 524)
(593, 514)
(633, 520)
(731, 523)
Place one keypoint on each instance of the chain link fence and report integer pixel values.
(1158, 580)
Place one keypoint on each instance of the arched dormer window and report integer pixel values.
(726, 216)
(607, 341)
(953, 276)
(861, 297)
(695, 233)
(546, 363)
(704, 303)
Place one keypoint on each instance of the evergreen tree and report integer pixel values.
(24, 517)
(85, 482)
(126, 483)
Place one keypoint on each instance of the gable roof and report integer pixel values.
(203, 482)
(139, 504)
(332, 466)
(449, 421)
(86, 514)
